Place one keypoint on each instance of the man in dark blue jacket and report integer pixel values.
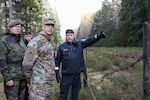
(70, 57)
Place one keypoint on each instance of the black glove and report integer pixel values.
(57, 76)
(102, 35)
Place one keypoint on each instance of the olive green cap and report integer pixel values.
(14, 22)
(49, 21)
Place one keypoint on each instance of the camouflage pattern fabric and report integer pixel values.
(12, 52)
(12, 91)
(38, 65)
(41, 91)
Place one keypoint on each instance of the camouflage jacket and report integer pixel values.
(12, 49)
(38, 63)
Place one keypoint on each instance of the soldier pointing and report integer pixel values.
(70, 56)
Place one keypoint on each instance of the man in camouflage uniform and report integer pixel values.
(38, 63)
(27, 37)
(12, 49)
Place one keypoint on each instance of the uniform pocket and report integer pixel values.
(43, 90)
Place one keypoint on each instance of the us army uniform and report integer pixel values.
(12, 49)
(39, 66)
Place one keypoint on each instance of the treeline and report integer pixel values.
(30, 12)
(121, 20)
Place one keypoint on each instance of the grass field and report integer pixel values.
(123, 84)
(2, 95)
(126, 78)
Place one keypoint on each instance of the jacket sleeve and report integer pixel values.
(3, 62)
(58, 59)
(28, 61)
(89, 41)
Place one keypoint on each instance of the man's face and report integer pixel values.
(48, 29)
(70, 37)
(28, 37)
(15, 29)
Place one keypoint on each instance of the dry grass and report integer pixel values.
(121, 85)
(2, 95)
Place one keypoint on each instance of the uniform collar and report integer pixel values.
(48, 37)
(71, 43)
(16, 36)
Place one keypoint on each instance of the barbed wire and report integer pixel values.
(88, 85)
(123, 87)
(119, 55)
(125, 68)
(137, 58)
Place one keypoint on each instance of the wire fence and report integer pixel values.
(136, 59)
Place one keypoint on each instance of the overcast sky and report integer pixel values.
(71, 11)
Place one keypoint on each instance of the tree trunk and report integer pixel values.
(10, 10)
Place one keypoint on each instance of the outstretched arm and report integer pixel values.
(91, 40)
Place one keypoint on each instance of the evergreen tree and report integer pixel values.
(104, 20)
(131, 23)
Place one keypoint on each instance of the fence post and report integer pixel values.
(146, 61)
(84, 73)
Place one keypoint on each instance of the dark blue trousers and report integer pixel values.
(70, 81)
